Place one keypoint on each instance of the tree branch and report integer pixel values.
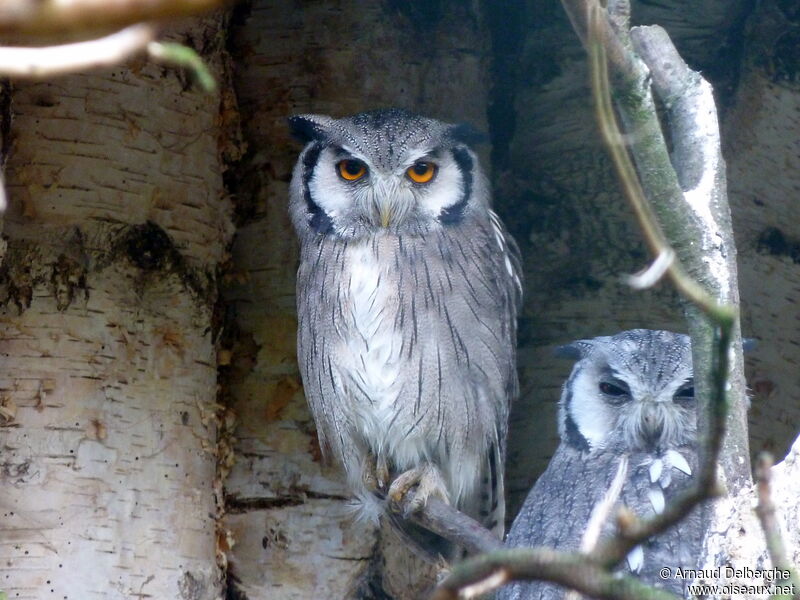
(765, 510)
(699, 214)
(454, 526)
(571, 570)
(51, 61)
(37, 17)
(59, 60)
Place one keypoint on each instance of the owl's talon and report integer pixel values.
(428, 482)
(382, 472)
(369, 474)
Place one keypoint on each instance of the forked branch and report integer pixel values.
(713, 325)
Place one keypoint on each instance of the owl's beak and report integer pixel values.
(385, 212)
(652, 423)
(388, 202)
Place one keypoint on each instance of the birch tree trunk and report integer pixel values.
(523, 70)
(111, 457)
(116, 226)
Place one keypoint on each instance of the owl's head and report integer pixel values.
(629, 392)
(387, 170)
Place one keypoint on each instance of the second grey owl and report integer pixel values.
(627, 418)
(407, 294)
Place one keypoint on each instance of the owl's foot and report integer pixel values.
(427, 480)
(375, 474)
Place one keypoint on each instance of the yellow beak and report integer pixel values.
(385, 214)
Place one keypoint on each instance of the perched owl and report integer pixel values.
(407, 293)
(627, 420)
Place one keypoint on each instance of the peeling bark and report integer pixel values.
(118, 226)
(115, 228)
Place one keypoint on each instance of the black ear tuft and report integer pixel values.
(307, 128)
(467, 134)
(574, 350)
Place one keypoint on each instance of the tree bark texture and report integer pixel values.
(116, 226)
(523, 70)
(577, 237)
(113, 440)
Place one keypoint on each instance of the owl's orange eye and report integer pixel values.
(421, 172)
(351, 169)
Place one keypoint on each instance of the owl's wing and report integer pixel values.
(480, 263)
(510, 250)
(557, 510)
(321, 383)
(508, 280)
(681, 545)
(509, 293)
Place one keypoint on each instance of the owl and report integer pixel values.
(407, 293)
(628, 426)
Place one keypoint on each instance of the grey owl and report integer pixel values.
(627, 419)
(407, 294)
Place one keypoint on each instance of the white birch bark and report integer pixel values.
(117, 222)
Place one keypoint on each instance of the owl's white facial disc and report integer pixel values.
(451, 188)
(586, 419)
(370, 173)
(390, 191)
(334, 196)
(632, 392)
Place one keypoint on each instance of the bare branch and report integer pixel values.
(454, 526)
(765, 510)
(568, 569)
(653, 233)
(68, 58)
(698, 222)
(623, 62)
(50, 61)
(712, 331)
(93, 16)
(652, 274)
(182, 56)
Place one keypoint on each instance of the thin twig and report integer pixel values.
(182, 56)
(578, 12)
(49, 61)
(3, 195)
(600, 515)
(765, 510)
(652, 274)
(572, 570)
(94, 16)
(541, 564)
(602, 509)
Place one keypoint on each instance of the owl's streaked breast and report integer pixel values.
(369, 348)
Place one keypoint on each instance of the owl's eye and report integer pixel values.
(421, 172)
(609, 389)
(351, 169)
(684, 396)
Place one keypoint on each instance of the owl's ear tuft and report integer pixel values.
(467, 134)
(574, 350)
(309, 128)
